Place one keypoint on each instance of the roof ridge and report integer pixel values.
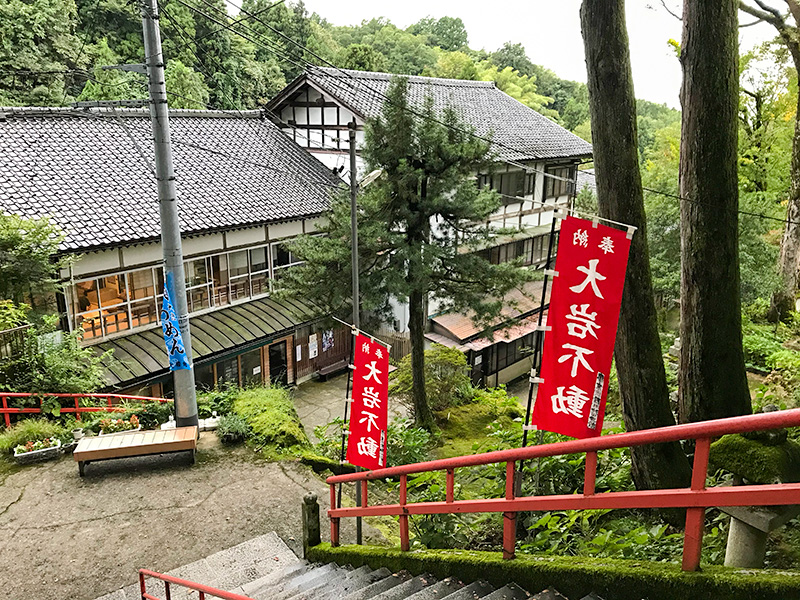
(411, 78)
(69, 111)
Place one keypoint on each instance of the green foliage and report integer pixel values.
(186, 86)
(111, 84)
(52, 362)
(447, 381)
(514, 56)
(13, 315)
(361, 57)
(219, 400)
(36, 36)
(271, 417)
(232, 429)
(448, 33)
(112, 425)
(31, 430)
(455, 65)
(518, 86)
(150, 414)
(28, 271)
(405, 443)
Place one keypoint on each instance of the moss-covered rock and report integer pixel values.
(755, 461)
(272, 418)
(576, 576)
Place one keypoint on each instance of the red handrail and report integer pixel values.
(203, 590)
(6, 411)
(695, 499)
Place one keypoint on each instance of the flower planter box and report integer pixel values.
(25, 458)
(102, 433)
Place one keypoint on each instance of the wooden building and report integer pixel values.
(244, 189)
(535, 174)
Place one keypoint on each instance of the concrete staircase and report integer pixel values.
(264, 568)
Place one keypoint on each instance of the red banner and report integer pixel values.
(366, 446)
(583, 318)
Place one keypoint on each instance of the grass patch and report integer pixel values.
(31, 430)
(272, 418)
(575, 576)
(464, 429)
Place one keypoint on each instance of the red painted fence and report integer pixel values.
(109, 399)
(202, 590)
(695, 499)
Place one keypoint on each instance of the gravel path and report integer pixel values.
(66, 537)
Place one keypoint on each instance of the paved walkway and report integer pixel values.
(67, 537)
(320, 402)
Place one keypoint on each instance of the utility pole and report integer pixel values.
(185, 399)
(351, 126)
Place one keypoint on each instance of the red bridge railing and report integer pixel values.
(202, 590)
(695, 499)
(77, 409)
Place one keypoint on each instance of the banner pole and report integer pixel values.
(537, 352)
(346, 411)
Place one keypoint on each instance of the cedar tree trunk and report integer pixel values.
(712, 378)
(640, 366)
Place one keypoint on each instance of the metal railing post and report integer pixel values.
(403, 518)
(693, 533)
(6, 416)
(142, 585)
(451, 485)
(509, 518)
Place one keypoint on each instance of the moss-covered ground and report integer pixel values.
(577, 576)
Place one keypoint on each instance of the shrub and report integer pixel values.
(150, 414)
(232, 429)
(220, 401)
(447, 381)
(271, 416)
(31, 430)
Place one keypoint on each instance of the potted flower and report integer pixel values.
(34, 451)
(108, 426)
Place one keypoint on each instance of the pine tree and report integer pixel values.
(419, 225)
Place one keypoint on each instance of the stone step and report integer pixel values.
(473, 591)
(407, 588)
(274, 580)
(438, 590)
(379, 587)
(355, 582)
(509, 592)
(549, 594)
(321, 575)
(331, 582)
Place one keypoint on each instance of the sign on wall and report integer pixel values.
(313, 348)
(172, 331)
(366, 445)
(583, 317)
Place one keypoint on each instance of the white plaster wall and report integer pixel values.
(202, 244)
(284, 230)
(94, 262)
(141, 254)
(313, 225)
(245, 237)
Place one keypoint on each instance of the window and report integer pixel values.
(259, 269)
(239, 275)
(281, 259)
(142, 292)
(556, 186)
(509, 185)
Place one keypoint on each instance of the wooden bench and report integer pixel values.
(135, 443)
(332, 368)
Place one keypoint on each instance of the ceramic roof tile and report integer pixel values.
(90, 172)
(521, 133)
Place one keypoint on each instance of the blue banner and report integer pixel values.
(172, 330)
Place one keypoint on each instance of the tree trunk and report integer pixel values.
(423, 417)
(712, 378)
(640, 366)
(789, 261)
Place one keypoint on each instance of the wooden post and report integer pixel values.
(334, 520)
(6, 416)
(311, 528)
(693, 533)
(450, 493)
(590, 474)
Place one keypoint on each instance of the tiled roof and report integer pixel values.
(89, 171)
(141, 356)
(521, 133)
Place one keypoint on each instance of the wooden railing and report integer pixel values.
(695, 499)
(111, 403)
(12, 341)
(202, 590)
